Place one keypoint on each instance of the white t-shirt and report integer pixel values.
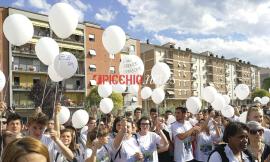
(215, 157)
(182, 148)
(148, 145)
(127, 152)
(87, 153)
(103, 153)
(49, 143)
(266, 136)
(204, 146)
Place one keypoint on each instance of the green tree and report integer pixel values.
(266, 84)
(259, 93)
(93, 99)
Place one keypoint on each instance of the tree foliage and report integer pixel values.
(266, 84)
(93, 99)
(259, 93)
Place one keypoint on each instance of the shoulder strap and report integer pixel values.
(136, 137)
(221, 151)
(106, 148)
(118, 152)
(56, 157)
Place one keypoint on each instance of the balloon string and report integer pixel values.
(44, 92)
(56, 85)
(5, 93)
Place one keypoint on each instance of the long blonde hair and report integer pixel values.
(22, 147)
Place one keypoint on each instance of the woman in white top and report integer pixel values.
(205, 140)
(126, 146)
(236, 137)
(150, 142)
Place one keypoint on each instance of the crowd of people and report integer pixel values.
(205, 136)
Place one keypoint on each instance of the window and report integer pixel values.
(78, 84)
(132, 48)
(35, 81)
(93, 68)
(91, 37)
(112, 70)
(111, 56)
(93, 82)
(17, 81)
(92, 52)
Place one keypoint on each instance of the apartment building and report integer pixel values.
(178, 89)
(25, 69)
(191, 72)
(100, 62)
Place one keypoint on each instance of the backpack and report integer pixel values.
(221, 151)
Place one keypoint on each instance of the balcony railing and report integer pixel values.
(21, 87)
(30, 68)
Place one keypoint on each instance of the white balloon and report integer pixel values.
(18, 29)
(146, 92)
(170, 119)
(257, 99)
(80, 118)
(265, 100)
(53, 74)
(119, 88)
(106, 105)
(113, 39)
(63, 19)
(160, 73)
(242, 91)
(64, 115)
(227, 111)
(131, 65)
(209, 93)
(158, 95)
(133, 89)
(105, 90)
(227, 99)
(46, 50)
(193, 104)
(65, 65)
(243, 117)
(219, 102)
(2, 80)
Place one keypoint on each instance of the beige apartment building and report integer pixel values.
(191, 72)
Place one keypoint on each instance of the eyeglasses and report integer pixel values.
(253, 132)
(146, 124)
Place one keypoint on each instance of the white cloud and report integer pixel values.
(254, 49)
(39, 4)
(18, 3)
(105, 15)
(80, 7)
(204, 17)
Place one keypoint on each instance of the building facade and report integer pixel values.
(191, 72)
(100, 62)
(25, 69)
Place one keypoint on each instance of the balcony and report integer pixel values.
(74, 88)
(20, 88)
(29, 69)
(25, 50)
(74, 39)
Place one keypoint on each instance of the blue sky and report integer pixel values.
(230, 28)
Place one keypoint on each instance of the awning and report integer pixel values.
(40, 24)
(134, 99)
(169, 62)
(93, 66)
(170, 92)
(112, 68)
(93, 82)
(78, 32)
(69, 46)
(91, 36)
(92, 52)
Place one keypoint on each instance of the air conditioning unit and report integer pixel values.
(16, 67)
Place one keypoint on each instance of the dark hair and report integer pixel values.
(39, 118)
(140, 120)
(168, 111)
(210, 109)
(137, 109)
(116, 120)
(153, 110)
(91, 118)
(181, 108)
(232, 129)
(13, 117)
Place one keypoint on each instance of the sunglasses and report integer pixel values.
(253, 132)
